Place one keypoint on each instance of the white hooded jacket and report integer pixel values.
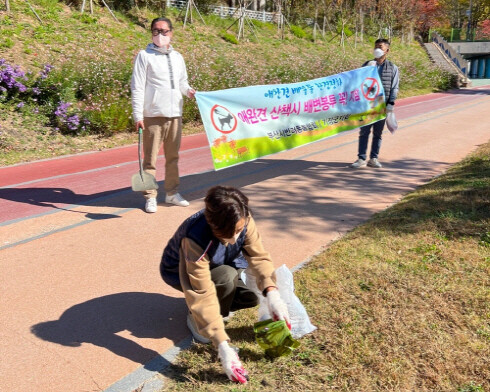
(158, 83)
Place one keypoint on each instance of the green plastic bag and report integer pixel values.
(275, 338)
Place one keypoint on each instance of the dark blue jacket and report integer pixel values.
(198, 230)
(387, 72)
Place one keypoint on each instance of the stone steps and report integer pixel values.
(441, 61)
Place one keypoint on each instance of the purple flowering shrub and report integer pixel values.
(12, 81)
(68, 121)
(41, 94)
(89, 97)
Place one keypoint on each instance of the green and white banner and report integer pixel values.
(243, 124)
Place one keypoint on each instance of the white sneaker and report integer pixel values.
(227, 319)
(176, 199)
(373, 162)
(151, 205)
(359, 163)
(191, 324)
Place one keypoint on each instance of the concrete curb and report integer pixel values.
(147, 376)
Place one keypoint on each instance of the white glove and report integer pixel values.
(231, 363)
(277, 307)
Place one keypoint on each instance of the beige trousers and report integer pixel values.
(166, 130)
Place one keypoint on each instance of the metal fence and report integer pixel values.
(229, 12)
(462, 35)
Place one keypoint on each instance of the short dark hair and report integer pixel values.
(162, 19)
(225, 206)
(382, 41)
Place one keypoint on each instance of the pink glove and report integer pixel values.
(277, 307)
(231, 363)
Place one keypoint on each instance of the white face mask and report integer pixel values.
(161, 40)
(233, 239)
(378, 53)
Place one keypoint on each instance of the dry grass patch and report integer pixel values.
(401, 303)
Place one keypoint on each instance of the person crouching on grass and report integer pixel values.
(204, 260)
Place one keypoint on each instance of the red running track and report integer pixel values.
(35, 188)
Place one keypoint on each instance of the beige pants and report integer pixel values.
(166, 130)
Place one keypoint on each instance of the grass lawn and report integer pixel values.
(402, 303)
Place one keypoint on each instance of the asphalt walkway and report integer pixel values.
(83, 307)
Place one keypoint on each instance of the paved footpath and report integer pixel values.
(83, 307)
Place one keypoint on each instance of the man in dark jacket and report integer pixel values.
(390, 78)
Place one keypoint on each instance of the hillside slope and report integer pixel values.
(91, 57)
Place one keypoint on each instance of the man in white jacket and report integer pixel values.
(158, 84)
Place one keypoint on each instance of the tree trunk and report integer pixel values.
(315, 24)
(342, 32)
(7, 5)
(361, 32)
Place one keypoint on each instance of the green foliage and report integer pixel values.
(471, 387)
(229, 37)
(7, 43)
(6, 21)
(49, 4)
(347, 32)
(485, 239)
(44, 31)
(298, 31)
(111, 118)
(86, 18)
(79, 98)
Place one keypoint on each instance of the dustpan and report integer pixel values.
(142, 181)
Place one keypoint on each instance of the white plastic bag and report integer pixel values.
(300, 322)
(391, 121)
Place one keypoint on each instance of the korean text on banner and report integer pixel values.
(243, 124)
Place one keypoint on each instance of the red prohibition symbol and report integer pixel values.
(222, 118)
(370, 88)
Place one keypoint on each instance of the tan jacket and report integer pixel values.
(199, 289)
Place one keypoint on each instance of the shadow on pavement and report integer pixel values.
(473, 91)
(329, 192)
(99, 320)
(306, 176)
(64, 198)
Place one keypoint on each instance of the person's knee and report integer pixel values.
(378, 134)
(249, 298)
(378, 128)
(224, 277)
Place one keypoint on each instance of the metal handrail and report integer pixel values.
(456, 59)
